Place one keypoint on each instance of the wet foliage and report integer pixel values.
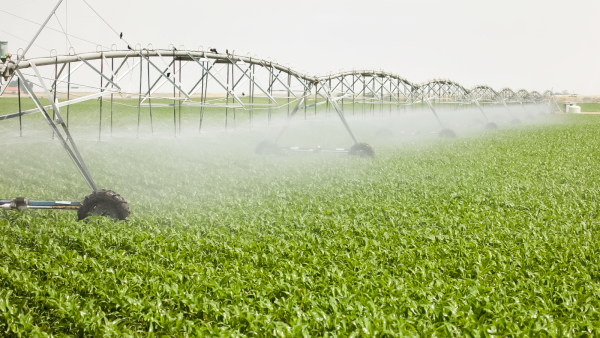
(494, 234)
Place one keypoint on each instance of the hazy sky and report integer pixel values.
(531, 44)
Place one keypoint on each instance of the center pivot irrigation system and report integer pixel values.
(242, 89)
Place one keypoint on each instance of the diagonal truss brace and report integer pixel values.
(62, 79)
(506, 106)
(22, 56)
(52, 102)
(307, 91)
(278, 79)
(57, 75)
(218, 81)
(193, 90)
(164, 75)
(337, 109)
(251, 78)
(68, 143)
(426, 99)
(98, 72)
(365, 85)
(154, 86)
(60, 104)
(481, 109)
(386, 89)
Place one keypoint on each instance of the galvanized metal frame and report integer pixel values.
(379, 88)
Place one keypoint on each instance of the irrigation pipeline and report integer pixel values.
(346, 79)
(367, 88)
(370, 88)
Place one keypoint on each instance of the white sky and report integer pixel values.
(531, 44)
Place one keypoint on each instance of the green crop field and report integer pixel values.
(589, 107)
(489, 234)
(122, 115)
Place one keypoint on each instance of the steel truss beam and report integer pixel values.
(66, 140)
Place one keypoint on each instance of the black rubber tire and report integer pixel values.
(267, 148)
(515, 121)
(385, 133)
(362, 149)
(491, 126)
(447, 133)
(104, 203)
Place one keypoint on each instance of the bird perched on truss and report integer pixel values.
(121, 35)
(227, 51)
(214, 50)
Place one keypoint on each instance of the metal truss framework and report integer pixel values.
(241, 80)
(242, 72)
(243, 88)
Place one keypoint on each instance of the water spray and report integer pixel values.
(362, 91)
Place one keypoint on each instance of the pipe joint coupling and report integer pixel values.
(19, 203)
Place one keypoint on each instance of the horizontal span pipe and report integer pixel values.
(61, 205)
(183, 55)
(224, 58)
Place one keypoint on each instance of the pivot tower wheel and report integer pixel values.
(362, 149)
(104, 203)
(491, 125)
(447, 133)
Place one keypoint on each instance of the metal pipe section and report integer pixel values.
(23, 203)
(72, 149)
(185, 56)
(318, 149)
(440, 89)
(39, 31)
